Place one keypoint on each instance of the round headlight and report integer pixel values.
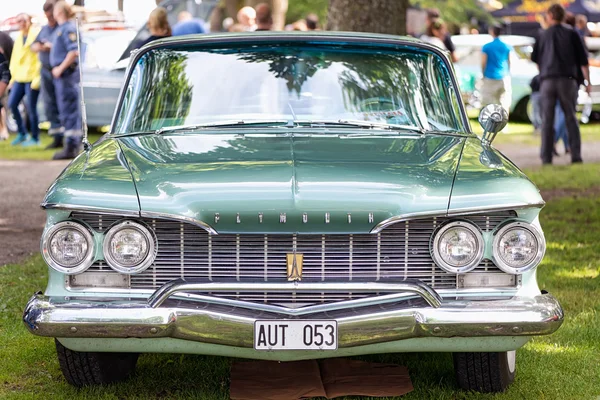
(457, 247)
(68, 247)
(129, 247)
(518, 247)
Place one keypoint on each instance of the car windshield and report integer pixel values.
(299, 83)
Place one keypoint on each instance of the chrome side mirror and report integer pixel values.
(493, 118)
(490, 159)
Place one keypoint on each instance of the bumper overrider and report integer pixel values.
(175, 311)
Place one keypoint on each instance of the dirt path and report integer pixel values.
(22, 188)
(23, 184)
(529, 157)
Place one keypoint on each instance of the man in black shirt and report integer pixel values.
(563, 64)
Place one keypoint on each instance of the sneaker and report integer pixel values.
(19, 139)
(31, 142)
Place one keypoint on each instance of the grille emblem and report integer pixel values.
(282, 218)
(294, 266)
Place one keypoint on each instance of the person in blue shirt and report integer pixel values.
(495, 62)
(42, 46)
(65, 70)
(187, 25)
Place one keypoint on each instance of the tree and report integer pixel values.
(380, 16)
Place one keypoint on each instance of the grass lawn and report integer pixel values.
(522, 133)
(565, 365)
(8, 152)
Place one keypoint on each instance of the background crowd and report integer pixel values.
(46, 60)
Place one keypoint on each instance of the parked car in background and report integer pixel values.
(468, 69)
(291, 196)
(103, 74)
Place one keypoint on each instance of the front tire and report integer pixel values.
(87, 369)
(485, 372)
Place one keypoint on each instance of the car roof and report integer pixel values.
(283, 36)
(480, 40)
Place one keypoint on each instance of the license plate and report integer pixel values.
(295, 335)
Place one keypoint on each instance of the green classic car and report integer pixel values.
(288, 196)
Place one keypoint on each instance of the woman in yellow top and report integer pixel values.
(25, 70)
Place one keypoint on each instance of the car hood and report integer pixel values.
(265, 182)
(98, 179)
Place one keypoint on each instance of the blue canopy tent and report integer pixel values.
(521, 16)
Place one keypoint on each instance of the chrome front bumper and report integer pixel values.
(169, 313)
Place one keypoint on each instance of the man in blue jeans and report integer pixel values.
(42, 46)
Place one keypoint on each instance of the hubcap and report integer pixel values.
(512, 360)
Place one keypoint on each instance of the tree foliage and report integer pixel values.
(300, 9)
(456, 12)
(382, 16)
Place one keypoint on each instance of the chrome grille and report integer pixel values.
(399, 252)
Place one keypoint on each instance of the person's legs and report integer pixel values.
(505, 91)
(51, 108)
(16, 95)
(490, 93)
(548, 93)
(537, 118)
(560, 127)
(67, 91)
(3, 127)
(567, 95)
(32, 96)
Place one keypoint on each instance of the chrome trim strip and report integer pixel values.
(145, 293)
(403, 217)
(89, 209)
(182, 286)
(454, 213)
(450, 294)
(486, 209)
(160, 215)
(518, 316)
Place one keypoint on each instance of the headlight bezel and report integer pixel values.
(146, 232)
(502, 230)
(90, 253)
(434, 246)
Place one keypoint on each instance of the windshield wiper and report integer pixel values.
(219, 124)
(362, 124)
